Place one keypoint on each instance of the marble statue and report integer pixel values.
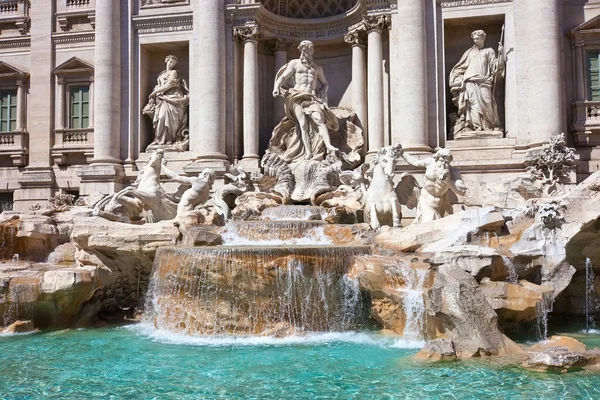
(168, 108)
(473, 84)
(439, 179)
(305, 132)
(380, 197)
(145, 199)
(237, 183)
(198, 192)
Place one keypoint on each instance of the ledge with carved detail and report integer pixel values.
(72, 142)
(586, 125)
(15, 12)
(14, 145)
(70, 10)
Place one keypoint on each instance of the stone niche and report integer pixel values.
(336, 61)
(457, 39)
(152, 63)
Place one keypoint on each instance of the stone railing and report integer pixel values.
(15, 12)
(72, 142)
(13, 145)
(586, 125)
(69, 10)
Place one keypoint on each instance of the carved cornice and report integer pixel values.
(245, 33)
(379, 22)
(15, 42)
(356, 36)
(462, 3)
(68, 37)
(163, 3)
(278, 44)
(273, 25)
(163, 23)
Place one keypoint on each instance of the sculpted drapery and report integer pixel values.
(168, 107)
(472, 84)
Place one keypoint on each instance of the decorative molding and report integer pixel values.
(308, 9)
(377, 22)
(244, 33)
(166, 23)
(163, 3)
(463, 3)
(356, 36)
(15, 42)
(73, 37)
(15, 12)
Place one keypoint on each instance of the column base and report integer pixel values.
(250, 162)
(103, 178)
(105, 160)
(416, 149)
(37, 186)
(218, 162)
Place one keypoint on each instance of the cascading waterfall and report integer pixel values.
(274, 233)
(294, 213)
(8, 233)
(513, 277)
(589, 296)
(412, 289)
(543, 308)
(18, 302)
(256, 289)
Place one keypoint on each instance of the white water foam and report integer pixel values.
(313, 338)
(316, 236)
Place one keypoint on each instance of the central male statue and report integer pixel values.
(304, 133)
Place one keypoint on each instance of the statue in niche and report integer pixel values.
(440, 178)
(473, 84)
(168, 108)
(304, 132)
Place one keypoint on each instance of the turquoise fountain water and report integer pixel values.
(138, 362)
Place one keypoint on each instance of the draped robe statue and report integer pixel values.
(473, 85)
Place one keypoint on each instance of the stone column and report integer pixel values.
(106, 173)
(238, 90)
(280, 49)
(357, 38)
(91, 102)
(580, 78)
(543, 57)
(207, 86)
(408, 86)
(249, 35)
(21, 112)
(60, 106)
(107, 70)
(375, 26)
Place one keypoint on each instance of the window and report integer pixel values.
(80, 107)
(6, 201)
(594, 75)
(8, 110)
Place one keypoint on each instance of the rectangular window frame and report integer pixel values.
(68, 103)
(12, 105)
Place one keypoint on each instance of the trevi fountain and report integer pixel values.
(344, 256)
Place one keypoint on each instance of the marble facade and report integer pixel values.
(388, 60)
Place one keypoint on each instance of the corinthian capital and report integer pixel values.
(356, 36)
(244, 33)
(380, 22)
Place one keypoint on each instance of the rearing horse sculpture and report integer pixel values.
(381, 201)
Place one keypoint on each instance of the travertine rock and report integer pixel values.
(465, 316)
(480, 261)
(556, 359)
(20, 327)
(437, 350)
(567, 342)
(440, 234)
(515, 303)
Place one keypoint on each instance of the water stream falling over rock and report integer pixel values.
(256, 289)
(273, 233)
(589, 296)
